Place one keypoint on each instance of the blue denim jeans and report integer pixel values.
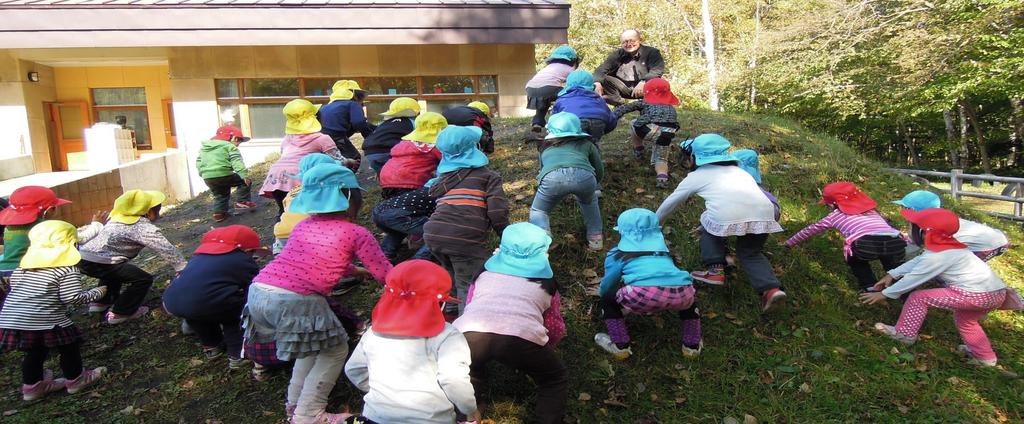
(563, 182)
(376, 161)
(397, 224)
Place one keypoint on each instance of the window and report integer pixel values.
(126, 107)
(255, 104)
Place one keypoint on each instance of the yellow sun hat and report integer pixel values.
(301, 117)
(51, 244)
(344, 90)
(481, 106)
(133, 204)
(428, 125)
(403, 107)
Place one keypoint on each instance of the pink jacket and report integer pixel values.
(411, 165)
(293, 148)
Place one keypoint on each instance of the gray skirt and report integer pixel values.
(301, 325)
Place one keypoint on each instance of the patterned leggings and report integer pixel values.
(968, 308)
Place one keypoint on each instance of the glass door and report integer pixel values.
(70, 119)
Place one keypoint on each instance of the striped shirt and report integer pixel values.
(471, 202)
(40, 297)
(852, 227)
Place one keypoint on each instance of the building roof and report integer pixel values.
(181, 23)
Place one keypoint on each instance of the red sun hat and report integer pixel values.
(219, 241)
(939, 225)
(847, 197)
(28, 204)
(410, 305)
(657, 91)
(229, 131)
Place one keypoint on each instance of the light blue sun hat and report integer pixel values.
(640, 232)
(321, 189)
(711, 148)
(748, 162)
(523, 252)
(564, 124)
(458, 149)
(578, 78)
(562, 52)
(920, 200)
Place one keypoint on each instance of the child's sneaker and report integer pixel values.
(772, 299)
(85, 379)
(260, 373)
(713, 276)
(661, 181)
(595, 243)
(219, 216)
(323, 418)
(236, 363)
(245, 205)
(603, 340)
(96, 307)
(346, 285)
(890, 331)
(42, 387)
(186, 329)
(289, 409)
(212, 352)
(693, 352)
(975, 361)
(114, 319)
(638, 153)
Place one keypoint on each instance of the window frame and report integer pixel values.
(96, 109)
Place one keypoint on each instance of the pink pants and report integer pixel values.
(968, 308)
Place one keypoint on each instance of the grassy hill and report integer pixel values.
(815, 361)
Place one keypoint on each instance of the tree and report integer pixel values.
(709, 53)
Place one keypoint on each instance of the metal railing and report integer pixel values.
(957, 178)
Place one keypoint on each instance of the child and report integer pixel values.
(398, 121)
(211, 291)
(735, 206)
(414, 159)
(37, 319)
(657, 122)
(286, 222)
(652, 283)
(571, 164)
(287, 299)
(220, 166)
(868, 235)
(749, 162)
(984, 241)
(513, 316)
(343, 117)
(302, 137)
(475, 114)
(106, 257)
(972, 290)
(578, 97)
(401, 216)
(28, 206)
(543, 88)
(470, 201)
(413, 365)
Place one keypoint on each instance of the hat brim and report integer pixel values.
(562, 135)
(856, 206)
(404, 113)
(9, 216)
(327, 199)
(422, 137)
(526, 267)
(50, 257)
(701, 160)
(244, 139)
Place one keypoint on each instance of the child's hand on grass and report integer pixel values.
(872, 298)
(884, 283)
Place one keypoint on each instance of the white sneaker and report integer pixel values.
(96, 307)
(975, 361)
(890, 331)
(603, 340)
(693, 353)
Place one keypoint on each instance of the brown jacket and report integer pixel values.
(470, 202)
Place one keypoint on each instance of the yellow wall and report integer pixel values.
(74, 83)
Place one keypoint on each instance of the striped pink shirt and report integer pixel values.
(852, 228)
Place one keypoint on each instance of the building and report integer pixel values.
(174, 70)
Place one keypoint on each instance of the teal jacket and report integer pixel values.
(219, 158)
(644, 271)
(580, 153)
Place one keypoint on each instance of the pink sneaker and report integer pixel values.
(42, 387)
(710, 277)
(86, 379)
(322, 418)
(113, 318)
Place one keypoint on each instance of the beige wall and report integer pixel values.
(23, 124)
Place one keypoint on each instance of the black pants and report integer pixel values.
(70, 363)
(220, 188)
(616, 91)
(279, 196)
(610, 308)
(594, 127)
(347, 149)
(540, 100)
(114, 276)
(889, 250)
(540, 363)
(225, 328)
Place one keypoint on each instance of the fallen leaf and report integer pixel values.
(10, 412)
(654, 397)
(729, 316)
(953, 380)
(589, 273)
(730, 420)
(640, 388)
(922, 368)
(710, 315)
(749, 419)
(649, 196)
(806, 388)
(894, 351)
(903, 409)
(584, 396)
(640, 190)
(195, 362)
(615, 402)
(840, 350)
(188, 384)
(680, 400)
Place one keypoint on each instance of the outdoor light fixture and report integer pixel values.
(33, 76)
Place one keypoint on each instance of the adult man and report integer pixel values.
(624, 72)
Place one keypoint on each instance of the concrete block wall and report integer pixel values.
(88, 195)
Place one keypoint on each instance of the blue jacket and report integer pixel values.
(211, 285)
(586, 104)
(642, 271)
(342, 119)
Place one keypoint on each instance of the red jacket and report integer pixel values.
(410, 166)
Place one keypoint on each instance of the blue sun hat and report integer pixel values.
(640, 232)
(458, 149)
(920, 200)
(309, 161)
(748, 162)
(564, 124)
(321, 189)
(710, 148)
(523, 252)
(578, 78)
(562, 52)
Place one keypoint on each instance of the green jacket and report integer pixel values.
(581, 154)
(219, 158)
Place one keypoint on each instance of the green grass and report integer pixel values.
(815, 361)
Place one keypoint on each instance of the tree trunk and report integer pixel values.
(954, 153)
(965, 151)
(709, 53)
(901, 145)
(752, 65)
(972, 116)
(1017, 133)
